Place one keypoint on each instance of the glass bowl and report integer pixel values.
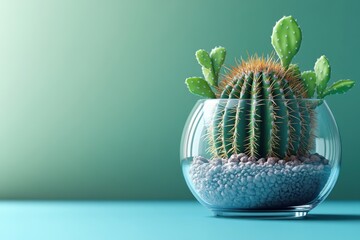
(244, 184)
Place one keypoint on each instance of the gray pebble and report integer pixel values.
(252, 159)
(281, 162)
(202, 159)
(244, 159)
(315, 158)
(234, 159)
(261, 161)
(296, 169)
(296, 162)
(272, 160)
(216, 161)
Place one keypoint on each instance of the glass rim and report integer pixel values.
(261, 99)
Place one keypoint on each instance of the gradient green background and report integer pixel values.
(92, 94)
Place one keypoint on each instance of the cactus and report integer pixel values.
(274, 119)
(322, 72)
(339, 87)
(286, 39)
(204, 60)
(272, 122)
(217, 56)
(211, 64)
(199, 87)
(309, 78)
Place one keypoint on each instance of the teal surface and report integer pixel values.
(92, 93)
(166, 220)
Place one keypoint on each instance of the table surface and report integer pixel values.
(166, 220)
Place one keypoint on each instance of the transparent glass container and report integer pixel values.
(261, 186)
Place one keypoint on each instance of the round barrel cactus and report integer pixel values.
(270, 121)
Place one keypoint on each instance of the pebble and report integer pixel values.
(261, 161)
(252, 159)
(202, 159)
(244, 159)
(315, 158)
(234, 159)
(272, 160)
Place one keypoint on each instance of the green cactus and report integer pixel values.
(270, 123)
(339, 87)
(217, 55)
(319, 78)
(199, 87)
(273, 117)
(309, 78)
(286, 39)
(322, 70)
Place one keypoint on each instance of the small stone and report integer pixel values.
(281, 162)
(261, 161)
(272, 160)
(257, 177)
(234, 159)
(293, 158)
(202, 159)
(307, 160)
(240, 155)
(325, 162)
(244, 159)
(314, 158)
(296, 169)
(217, 161)
(320, 167)
(252, 159)
(297, 162)
(248, 163)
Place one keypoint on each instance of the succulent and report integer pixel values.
(274, 119)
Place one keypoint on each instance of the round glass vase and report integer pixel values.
(248, 184)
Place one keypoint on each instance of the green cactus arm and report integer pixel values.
(286, 39)
(339, 87)
(309, 78)
(199, 87)
(322, 70)
(217, 56)
(204, 60)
